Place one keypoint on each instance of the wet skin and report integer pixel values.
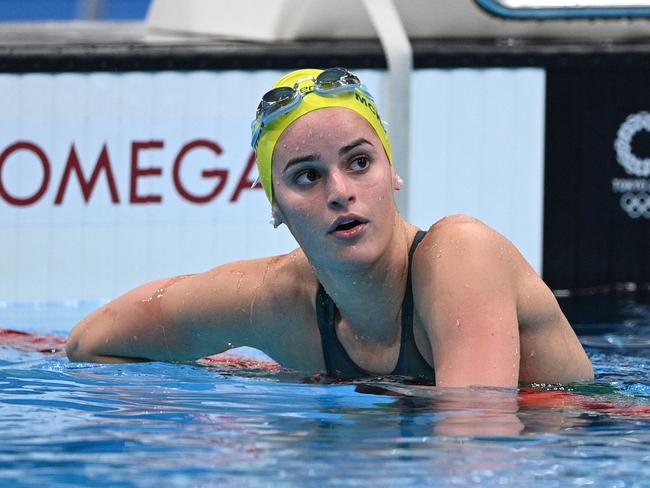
(482, 315)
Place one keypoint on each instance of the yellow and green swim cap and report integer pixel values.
(310, 96)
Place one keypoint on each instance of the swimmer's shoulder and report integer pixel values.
(458, 225)
(294, 280)
(460, 234)
(282, 278)
(464, 242)
(463, 248)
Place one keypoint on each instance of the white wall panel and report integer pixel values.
(477, 147)
(99, 248)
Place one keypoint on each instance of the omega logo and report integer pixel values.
(103, 173)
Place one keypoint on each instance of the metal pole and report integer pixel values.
(399, 58)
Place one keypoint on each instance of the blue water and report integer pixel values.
(158, 424)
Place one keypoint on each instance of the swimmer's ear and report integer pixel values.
(397, 181)
(277, 218)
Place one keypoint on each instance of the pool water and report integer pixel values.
(158, 424)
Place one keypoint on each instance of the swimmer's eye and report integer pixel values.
(306, 177)
(359, 164)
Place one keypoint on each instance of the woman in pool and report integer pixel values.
(366, 293)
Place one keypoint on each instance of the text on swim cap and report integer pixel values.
(361, 99)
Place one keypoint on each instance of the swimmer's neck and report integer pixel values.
(370, 300)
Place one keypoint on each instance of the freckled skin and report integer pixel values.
(482, 315)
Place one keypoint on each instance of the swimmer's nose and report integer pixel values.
(341, 191)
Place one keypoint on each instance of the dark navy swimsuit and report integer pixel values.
(410, 362)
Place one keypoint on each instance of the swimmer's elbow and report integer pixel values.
(78, 350)
(72, 351)
(73, 348)
(82, 346)
(78, 354)
(586, 373)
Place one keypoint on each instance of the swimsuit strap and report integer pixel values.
(410, 361)
(337, 361)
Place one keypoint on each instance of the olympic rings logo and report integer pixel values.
(623, 144)
(636, 204)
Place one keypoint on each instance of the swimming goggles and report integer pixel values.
(284, 99)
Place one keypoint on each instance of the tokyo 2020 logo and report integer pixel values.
(635, 197)
(633, 124)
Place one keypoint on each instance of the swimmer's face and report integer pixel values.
(333, 187)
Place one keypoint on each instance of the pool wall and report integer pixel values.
(110, 179)
(124, 156)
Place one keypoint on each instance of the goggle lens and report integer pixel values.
(335, 78)
(283, 99)
(275, 99)
(278, 95)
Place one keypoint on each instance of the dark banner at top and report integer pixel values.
(597, 171)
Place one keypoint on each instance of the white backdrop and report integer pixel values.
(477, 148)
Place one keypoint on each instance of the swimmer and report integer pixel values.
(366, 293)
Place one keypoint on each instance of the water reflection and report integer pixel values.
(618, 322)
(456, 411)
(244, 428)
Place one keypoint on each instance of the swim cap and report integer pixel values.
(357, 100)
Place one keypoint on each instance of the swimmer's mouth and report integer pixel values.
(345, 223)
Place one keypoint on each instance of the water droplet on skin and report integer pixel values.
(457, 322)
(438, 255)
(466, 285)
(135, 337)
(532, 354)
(229, 345)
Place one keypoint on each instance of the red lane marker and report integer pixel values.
(535, 397)
(32, 342)
(236, 361)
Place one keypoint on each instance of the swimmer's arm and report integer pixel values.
(179, 319)
(550, 350)
(100, 335)
(470, 306)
